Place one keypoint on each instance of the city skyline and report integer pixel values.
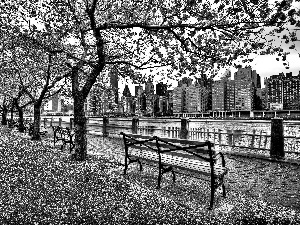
(295, 71)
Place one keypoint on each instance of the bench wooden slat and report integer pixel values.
(182, 163)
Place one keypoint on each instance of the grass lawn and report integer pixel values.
(41, 185)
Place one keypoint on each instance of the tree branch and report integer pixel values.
(134, 65)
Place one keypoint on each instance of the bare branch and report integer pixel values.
(136, 66)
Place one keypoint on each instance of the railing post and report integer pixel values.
(229, 132)
(219, 134)
(265, 141)
(105, 123)
(51, 121)
(135, 125)
(45, 121)
(252, 139)
(59, 121)
(277, 139)
(184, 130)
(259, 144)
(71, 123)
(214, 136)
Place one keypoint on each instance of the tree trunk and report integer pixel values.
(79, 152)
(11, 116)
(36, 121)
(4, 116)
(12, 113)
(21, 120)
(21, 116)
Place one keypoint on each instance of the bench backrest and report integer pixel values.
(175, 147)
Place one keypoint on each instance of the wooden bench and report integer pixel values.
(68, 138)
(28, 128)
(63, 134)
(192, 158)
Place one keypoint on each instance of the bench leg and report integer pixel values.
(212, 199)
(126, 166)
(159, 179)
(224, 192)
(125, 169)
(141, 167)
(62, 146)
(212, 193)
(71, 148)
(54, 141)
(174, 177)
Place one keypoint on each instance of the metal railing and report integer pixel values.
(257, 140)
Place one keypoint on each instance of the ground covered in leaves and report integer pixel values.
(41, 185)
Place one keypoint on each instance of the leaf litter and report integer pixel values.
(41, 185)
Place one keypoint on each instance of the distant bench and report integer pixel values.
(28, 128)
(63, 134)
(176, 156)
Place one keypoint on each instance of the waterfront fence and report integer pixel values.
(257, 141)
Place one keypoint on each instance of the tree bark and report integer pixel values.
(79, 152)
(4, 116)
(21, 116)
(21, 120)
(11, 116)
(36, 121)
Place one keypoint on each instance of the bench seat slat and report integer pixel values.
(153, 145)
(183, 163)
(174, 153)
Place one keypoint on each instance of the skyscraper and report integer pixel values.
(245, 84)
(179, 99)
(283, 91)
(218, 95)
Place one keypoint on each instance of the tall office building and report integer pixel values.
(218, 95)
(179, 99)
(219, 92)
(230, 95)
(283, 91)
(192, 98)
(169, 103)
(245, 86)
(196, 98)
(275, 91)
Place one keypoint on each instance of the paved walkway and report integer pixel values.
(265, 184)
